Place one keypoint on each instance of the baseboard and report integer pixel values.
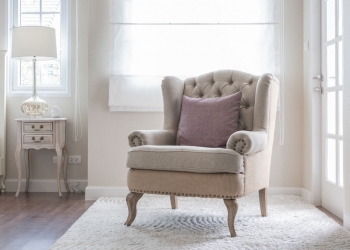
(95, 192)
(42, 185)
(346, 221)
(306, 195)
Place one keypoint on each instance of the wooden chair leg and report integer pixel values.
(173, 200)
(232, 208)
(131, 201)
(263, 201)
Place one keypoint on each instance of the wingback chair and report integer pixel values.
(158, 165)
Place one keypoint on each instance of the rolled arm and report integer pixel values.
(247, 142)
(151, 137)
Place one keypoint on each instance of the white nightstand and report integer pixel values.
(49, 133)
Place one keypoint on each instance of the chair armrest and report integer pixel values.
(151, 137)
(247, 142)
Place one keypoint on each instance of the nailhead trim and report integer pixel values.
(240, 150)
(133, 140)
(186, 195)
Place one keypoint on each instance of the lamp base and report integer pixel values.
(34, 107)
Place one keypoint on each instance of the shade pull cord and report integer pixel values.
(77, 124)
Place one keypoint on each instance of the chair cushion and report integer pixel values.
(208, 122)
(185, 159)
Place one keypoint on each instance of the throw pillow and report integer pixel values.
(208, 122)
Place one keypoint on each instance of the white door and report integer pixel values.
(332, 107)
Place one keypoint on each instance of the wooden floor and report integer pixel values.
(37, 220)
(334, 217)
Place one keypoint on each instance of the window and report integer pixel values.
(52, 76)
(151, 39)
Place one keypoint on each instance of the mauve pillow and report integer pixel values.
(208, 122)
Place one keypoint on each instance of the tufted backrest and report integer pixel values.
(223, 83)
(254, 109)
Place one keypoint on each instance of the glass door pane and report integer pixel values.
(340, 63)
(330, 20)
(340, 20)
(340, 113)
(341, 175)
(331, 114)
(331, 66)
(331, 161)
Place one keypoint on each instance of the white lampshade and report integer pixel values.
(30, 41)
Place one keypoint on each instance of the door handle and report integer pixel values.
(319, 89)
(318, 77)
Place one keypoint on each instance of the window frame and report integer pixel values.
(14, 88)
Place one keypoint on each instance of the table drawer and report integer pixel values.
(40, 139)
(37, 126)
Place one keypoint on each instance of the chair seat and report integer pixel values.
(185, 159)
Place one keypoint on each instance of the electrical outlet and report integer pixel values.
(72, 160)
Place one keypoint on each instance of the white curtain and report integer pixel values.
(151, 39)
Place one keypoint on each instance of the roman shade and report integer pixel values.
(151, 39)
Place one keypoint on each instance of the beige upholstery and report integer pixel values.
(227, 186)
(151, 137)
(257, 117)
(185, 159)
(163, 169)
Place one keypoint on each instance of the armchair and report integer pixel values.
(158, 165)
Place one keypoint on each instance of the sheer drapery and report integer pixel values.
(151, 39)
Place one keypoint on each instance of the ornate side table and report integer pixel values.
(49, 133)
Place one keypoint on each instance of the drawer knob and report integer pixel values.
(33, 138)
(42, 138)
(41, 126)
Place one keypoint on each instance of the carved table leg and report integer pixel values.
(232, 208)
(58, 148)
(263, 201)
(18, 155)
(173, 200)
(18, 166)
(2, 184)
(65, 152)
(26, 164)
(59, 160)
(131, 201)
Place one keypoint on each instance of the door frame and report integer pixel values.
(346, 109)
(312, 102)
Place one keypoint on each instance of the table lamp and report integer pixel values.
(34, 43)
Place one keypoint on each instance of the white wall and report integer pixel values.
(3, 55)
(3, 23)
(41, 161)
(108, 131)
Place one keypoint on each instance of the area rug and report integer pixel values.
(202, 224)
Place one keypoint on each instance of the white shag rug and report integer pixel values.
(202, 224)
